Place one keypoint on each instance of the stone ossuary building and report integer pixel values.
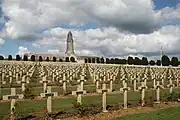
(69, 54)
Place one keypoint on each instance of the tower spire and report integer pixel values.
(70, 45)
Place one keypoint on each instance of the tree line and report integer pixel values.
(33, 58)
(165, 60)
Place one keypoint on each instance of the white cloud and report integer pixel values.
(1, 41)
(36, 45)
(27, 18)
(128, 23)
(2, 21)
(170, 13)
(23, 50)
(53, 51)
(111, 42)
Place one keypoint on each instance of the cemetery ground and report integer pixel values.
(170, 113)
(65, 109)
(86, 91)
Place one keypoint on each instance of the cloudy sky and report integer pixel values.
(110, 28)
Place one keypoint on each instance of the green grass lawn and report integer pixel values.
(165, 114)
(30, 106)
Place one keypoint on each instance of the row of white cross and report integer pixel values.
(101, 74)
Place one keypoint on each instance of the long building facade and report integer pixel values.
(68, 56)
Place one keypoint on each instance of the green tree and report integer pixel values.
(158, 62)
(112, 61)
(1, 57)
(122, 61)
(152, 62)
(107, 61)
(115, 61)
(102, 60)
(130, 60)
(18, 58)
(174, 61)
(165, 60)
(9, 57)
(144, 61)
(137, 61)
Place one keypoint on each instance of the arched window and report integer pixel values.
(33, 58)
(89, 60)
(60, 60)
(86, 60)
(54, 59)
(72, 59)
(40, 59)
(47, 59)
(67, 59)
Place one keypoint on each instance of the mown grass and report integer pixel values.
(30, 106)
(165, 114)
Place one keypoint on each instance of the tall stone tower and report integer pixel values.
(70, 48)
(70, 45)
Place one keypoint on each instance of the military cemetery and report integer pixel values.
(75, 89)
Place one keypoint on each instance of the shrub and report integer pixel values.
(28, 94)
(152, 62)
(158, 62)
(171, 96)
(83, 109)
